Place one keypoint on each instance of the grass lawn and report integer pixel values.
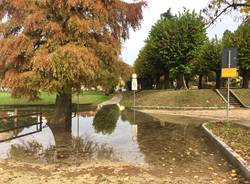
(174, 98)
(92, 97)
(244, 95)
(235, 136)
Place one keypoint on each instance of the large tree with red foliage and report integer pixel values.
(61, 45)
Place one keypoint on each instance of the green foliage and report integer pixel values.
(210, 56)
(173, 44)
(106, 118)
(242, 34)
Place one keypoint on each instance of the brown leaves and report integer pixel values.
(69, 65)
(22, 84)
(236, 136)
(53, 44)
(14, 49)
(34, 22)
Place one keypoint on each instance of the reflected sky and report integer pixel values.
(121, 139)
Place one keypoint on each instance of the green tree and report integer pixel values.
(211, 58)
(201, 66)
(172, 46)
(159, 43)
(190, 36)
(145, 68)
(242, 37)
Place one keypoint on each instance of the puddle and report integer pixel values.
(111, 134)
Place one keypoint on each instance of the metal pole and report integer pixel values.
(78, 115)
(134, 98)
(228, 86)
(228, 98)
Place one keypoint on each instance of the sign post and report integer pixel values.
(229, 70)
(134, 85)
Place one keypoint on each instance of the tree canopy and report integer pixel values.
(61, 45)
(172, 45)
(57, 45)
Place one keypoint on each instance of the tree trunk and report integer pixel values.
(63, 110)
(166, 80)
(187, 82)
(157, 82)
(63, 142)
(181, 84)
(218, 79)
(200, 85)
(245, 75)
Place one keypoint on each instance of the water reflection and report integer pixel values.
(118, 136)
(11, 126)
(106, 118)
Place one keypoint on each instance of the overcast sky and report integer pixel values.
(152, 13)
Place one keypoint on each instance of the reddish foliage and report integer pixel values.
(56, 44)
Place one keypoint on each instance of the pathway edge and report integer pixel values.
(234, 158)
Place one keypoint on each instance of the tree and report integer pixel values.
(146, 68)
(61, 45)
(112, 76)
(216, 8)
(211, 58)
(201, 66)
(242, 40)
(171, 47)
(159, 43)
(190, 37)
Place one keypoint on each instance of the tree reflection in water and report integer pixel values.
(106, 119)
(67, 149)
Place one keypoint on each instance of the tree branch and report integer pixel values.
(233, 5)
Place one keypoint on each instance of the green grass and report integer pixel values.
(174, 98)
(92, 97)
(235, 136)
(244, 95)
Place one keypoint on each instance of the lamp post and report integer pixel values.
(134, 84)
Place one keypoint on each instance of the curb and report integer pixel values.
(176, 108)
(238, 98)
(234, 158)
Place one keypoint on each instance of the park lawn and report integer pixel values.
(244, 95)
(174, 98)
(91, 97)
(234, 135)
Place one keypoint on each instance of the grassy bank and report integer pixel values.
(235, 136)
(174, 98)
(92, 97)
(244, 95)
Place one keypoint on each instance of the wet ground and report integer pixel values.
(110, 146)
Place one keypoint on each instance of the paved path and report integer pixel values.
(240, 116)
(115, 100)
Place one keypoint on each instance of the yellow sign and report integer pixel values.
(229, 72)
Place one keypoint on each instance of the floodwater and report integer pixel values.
(110, 134)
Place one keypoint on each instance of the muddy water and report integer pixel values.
(177, 149)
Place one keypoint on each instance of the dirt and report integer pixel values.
(97, 172)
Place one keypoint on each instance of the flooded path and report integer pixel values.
(101, 144)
